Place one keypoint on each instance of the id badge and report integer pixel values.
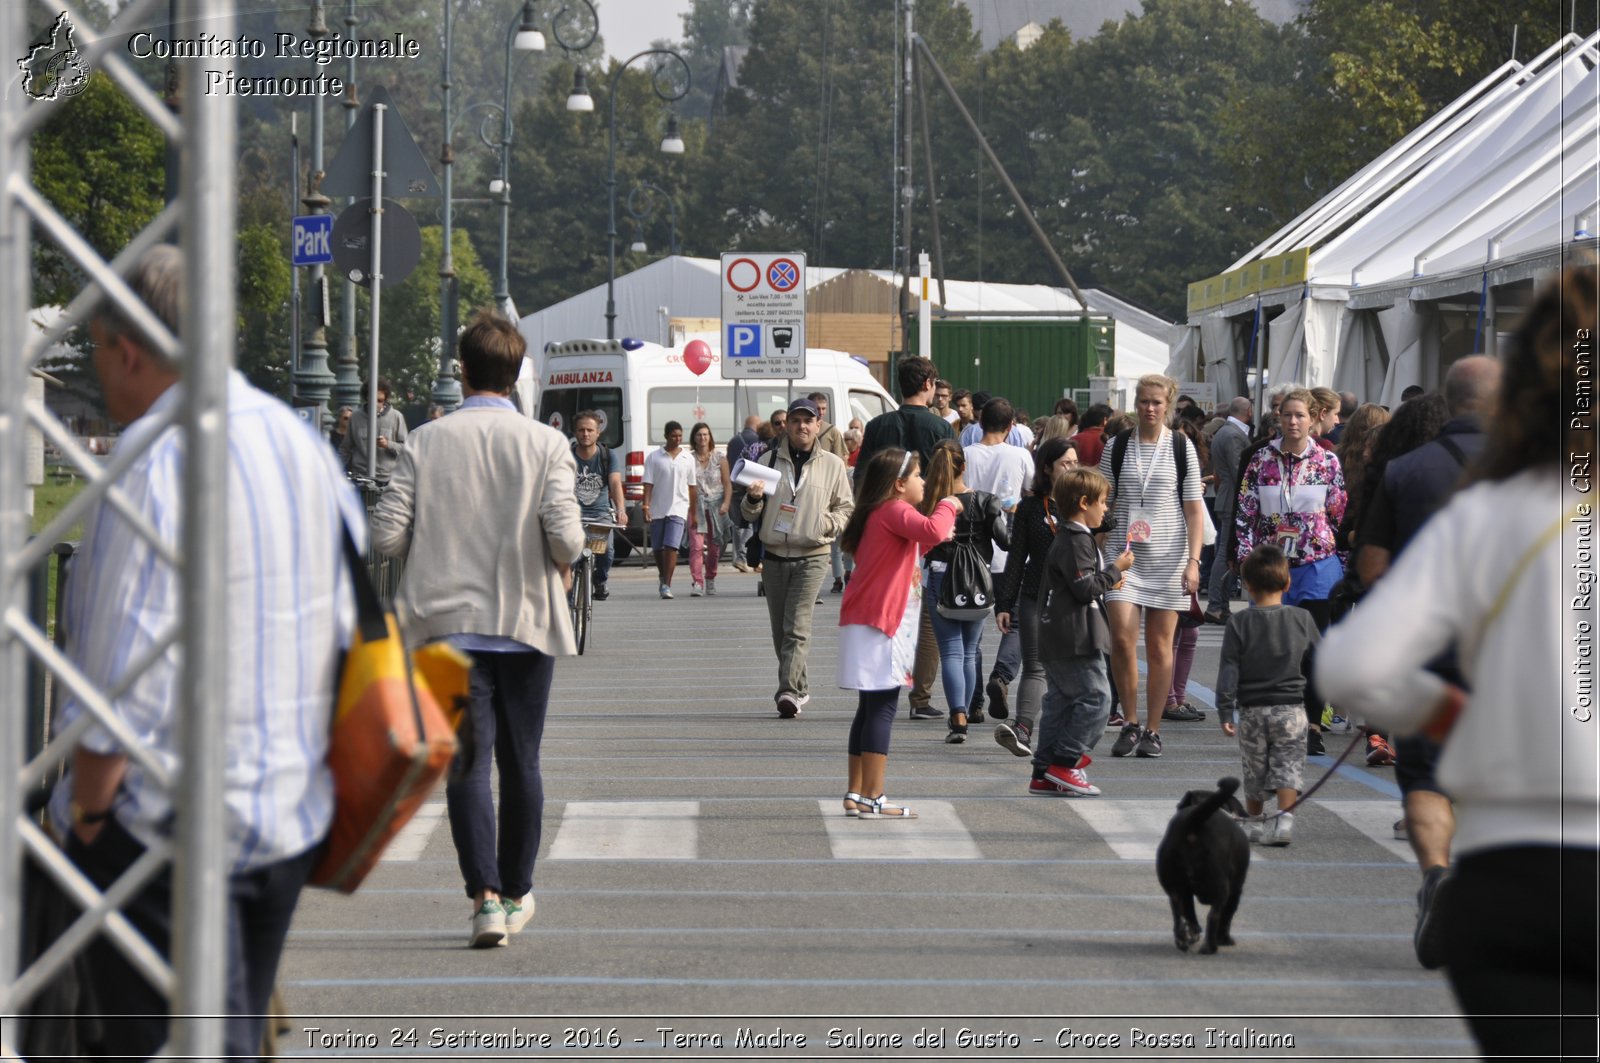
(1139, 527)
(1288, 538)
(785, 522)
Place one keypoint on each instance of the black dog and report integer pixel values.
(1204, 856)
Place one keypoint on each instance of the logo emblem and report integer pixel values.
(54, 69)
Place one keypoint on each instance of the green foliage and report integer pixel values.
(410, 325)
(264, 281)
(100, 163)
(708, 28)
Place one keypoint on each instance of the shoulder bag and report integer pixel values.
(393, 734)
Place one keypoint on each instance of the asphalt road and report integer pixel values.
(700, 892)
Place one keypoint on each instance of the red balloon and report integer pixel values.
(697, 356)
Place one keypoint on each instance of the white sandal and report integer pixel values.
(881, 808)
(856, 803)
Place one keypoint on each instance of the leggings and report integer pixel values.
(1183, 643)
(1524, 974)
(869, 731)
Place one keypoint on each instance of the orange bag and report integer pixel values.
(393, 734)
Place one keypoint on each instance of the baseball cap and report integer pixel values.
(804, 406)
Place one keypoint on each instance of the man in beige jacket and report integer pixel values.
(482, 507)
(798, 520)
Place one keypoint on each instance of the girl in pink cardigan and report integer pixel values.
(879, 613)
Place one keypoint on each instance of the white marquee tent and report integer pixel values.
(1426, 253)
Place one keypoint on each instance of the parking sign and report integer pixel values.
(763, 315)
(313, 240)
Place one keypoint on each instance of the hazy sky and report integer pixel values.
(630, 25)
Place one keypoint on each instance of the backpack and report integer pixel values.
(1119, 450)
(968, 589)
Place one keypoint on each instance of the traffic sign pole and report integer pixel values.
(377, 288)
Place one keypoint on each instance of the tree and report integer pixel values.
(708, 27)
(410, 326)
(100, 163)
(264, 354)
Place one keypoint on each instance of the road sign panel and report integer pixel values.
(744, 341)
(763, 315)
(405, 168)
(352, 242)
(783, 275)
(313, 240)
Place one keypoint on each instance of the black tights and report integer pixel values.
(869, 731)
(1524, 973)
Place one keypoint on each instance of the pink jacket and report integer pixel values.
(886, 562)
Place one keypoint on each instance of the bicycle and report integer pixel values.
(596, 539)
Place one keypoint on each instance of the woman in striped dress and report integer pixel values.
(1164, 530)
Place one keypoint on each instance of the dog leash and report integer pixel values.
(1263, 817)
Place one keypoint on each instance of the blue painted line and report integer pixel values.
(499, 980)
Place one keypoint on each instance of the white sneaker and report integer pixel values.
(488, 926)
(666, 591)
(1255, 831)
(1282, 832)
(711, 588)
(697, 590)
(518, 912)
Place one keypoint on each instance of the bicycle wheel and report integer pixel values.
(583, 597)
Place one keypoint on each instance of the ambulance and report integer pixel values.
(637, 387)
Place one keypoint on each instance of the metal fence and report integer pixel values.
(202, 218)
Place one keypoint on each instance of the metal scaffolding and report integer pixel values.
(202, 216)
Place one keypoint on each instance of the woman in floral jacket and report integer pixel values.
(1293, 494)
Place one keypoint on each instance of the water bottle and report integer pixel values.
(1008, 494)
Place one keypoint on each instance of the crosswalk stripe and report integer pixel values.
(413, 837)
(1132, 829)
(628, 830)
(1375, 819)
(936, 834)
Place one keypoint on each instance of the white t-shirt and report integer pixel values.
(669, 477)
(1020, 435)
(1002, 470)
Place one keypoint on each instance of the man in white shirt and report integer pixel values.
(1005, 470)
(1018, 435)
(669, 481)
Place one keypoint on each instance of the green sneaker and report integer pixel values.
(488, 926)
(518, 912)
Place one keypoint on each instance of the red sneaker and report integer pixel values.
(1379, 752)
(1073, 780)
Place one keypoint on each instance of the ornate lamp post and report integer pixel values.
(641, 210)
(523, 35)
(671, 144)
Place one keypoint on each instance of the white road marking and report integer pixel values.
(628, 830)
(1375, 819)
(1133, 829)
(936, 834)
(413, 837)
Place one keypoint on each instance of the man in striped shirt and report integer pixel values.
(290, 611)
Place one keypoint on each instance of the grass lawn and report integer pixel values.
(49, 499)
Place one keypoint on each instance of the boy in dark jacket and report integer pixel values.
(1074, 638)
(1265, 672)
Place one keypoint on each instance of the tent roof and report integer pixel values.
(1512, 160)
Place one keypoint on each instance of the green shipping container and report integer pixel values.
(1031, 362)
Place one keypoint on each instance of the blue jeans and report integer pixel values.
(508, 695)
(958, 649)
(1077, 701)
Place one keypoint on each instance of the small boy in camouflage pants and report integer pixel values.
(1266, 675)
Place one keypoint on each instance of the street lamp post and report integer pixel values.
(641, 212)
(523, 35)
(671, 144)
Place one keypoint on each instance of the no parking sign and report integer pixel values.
(763, 315)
